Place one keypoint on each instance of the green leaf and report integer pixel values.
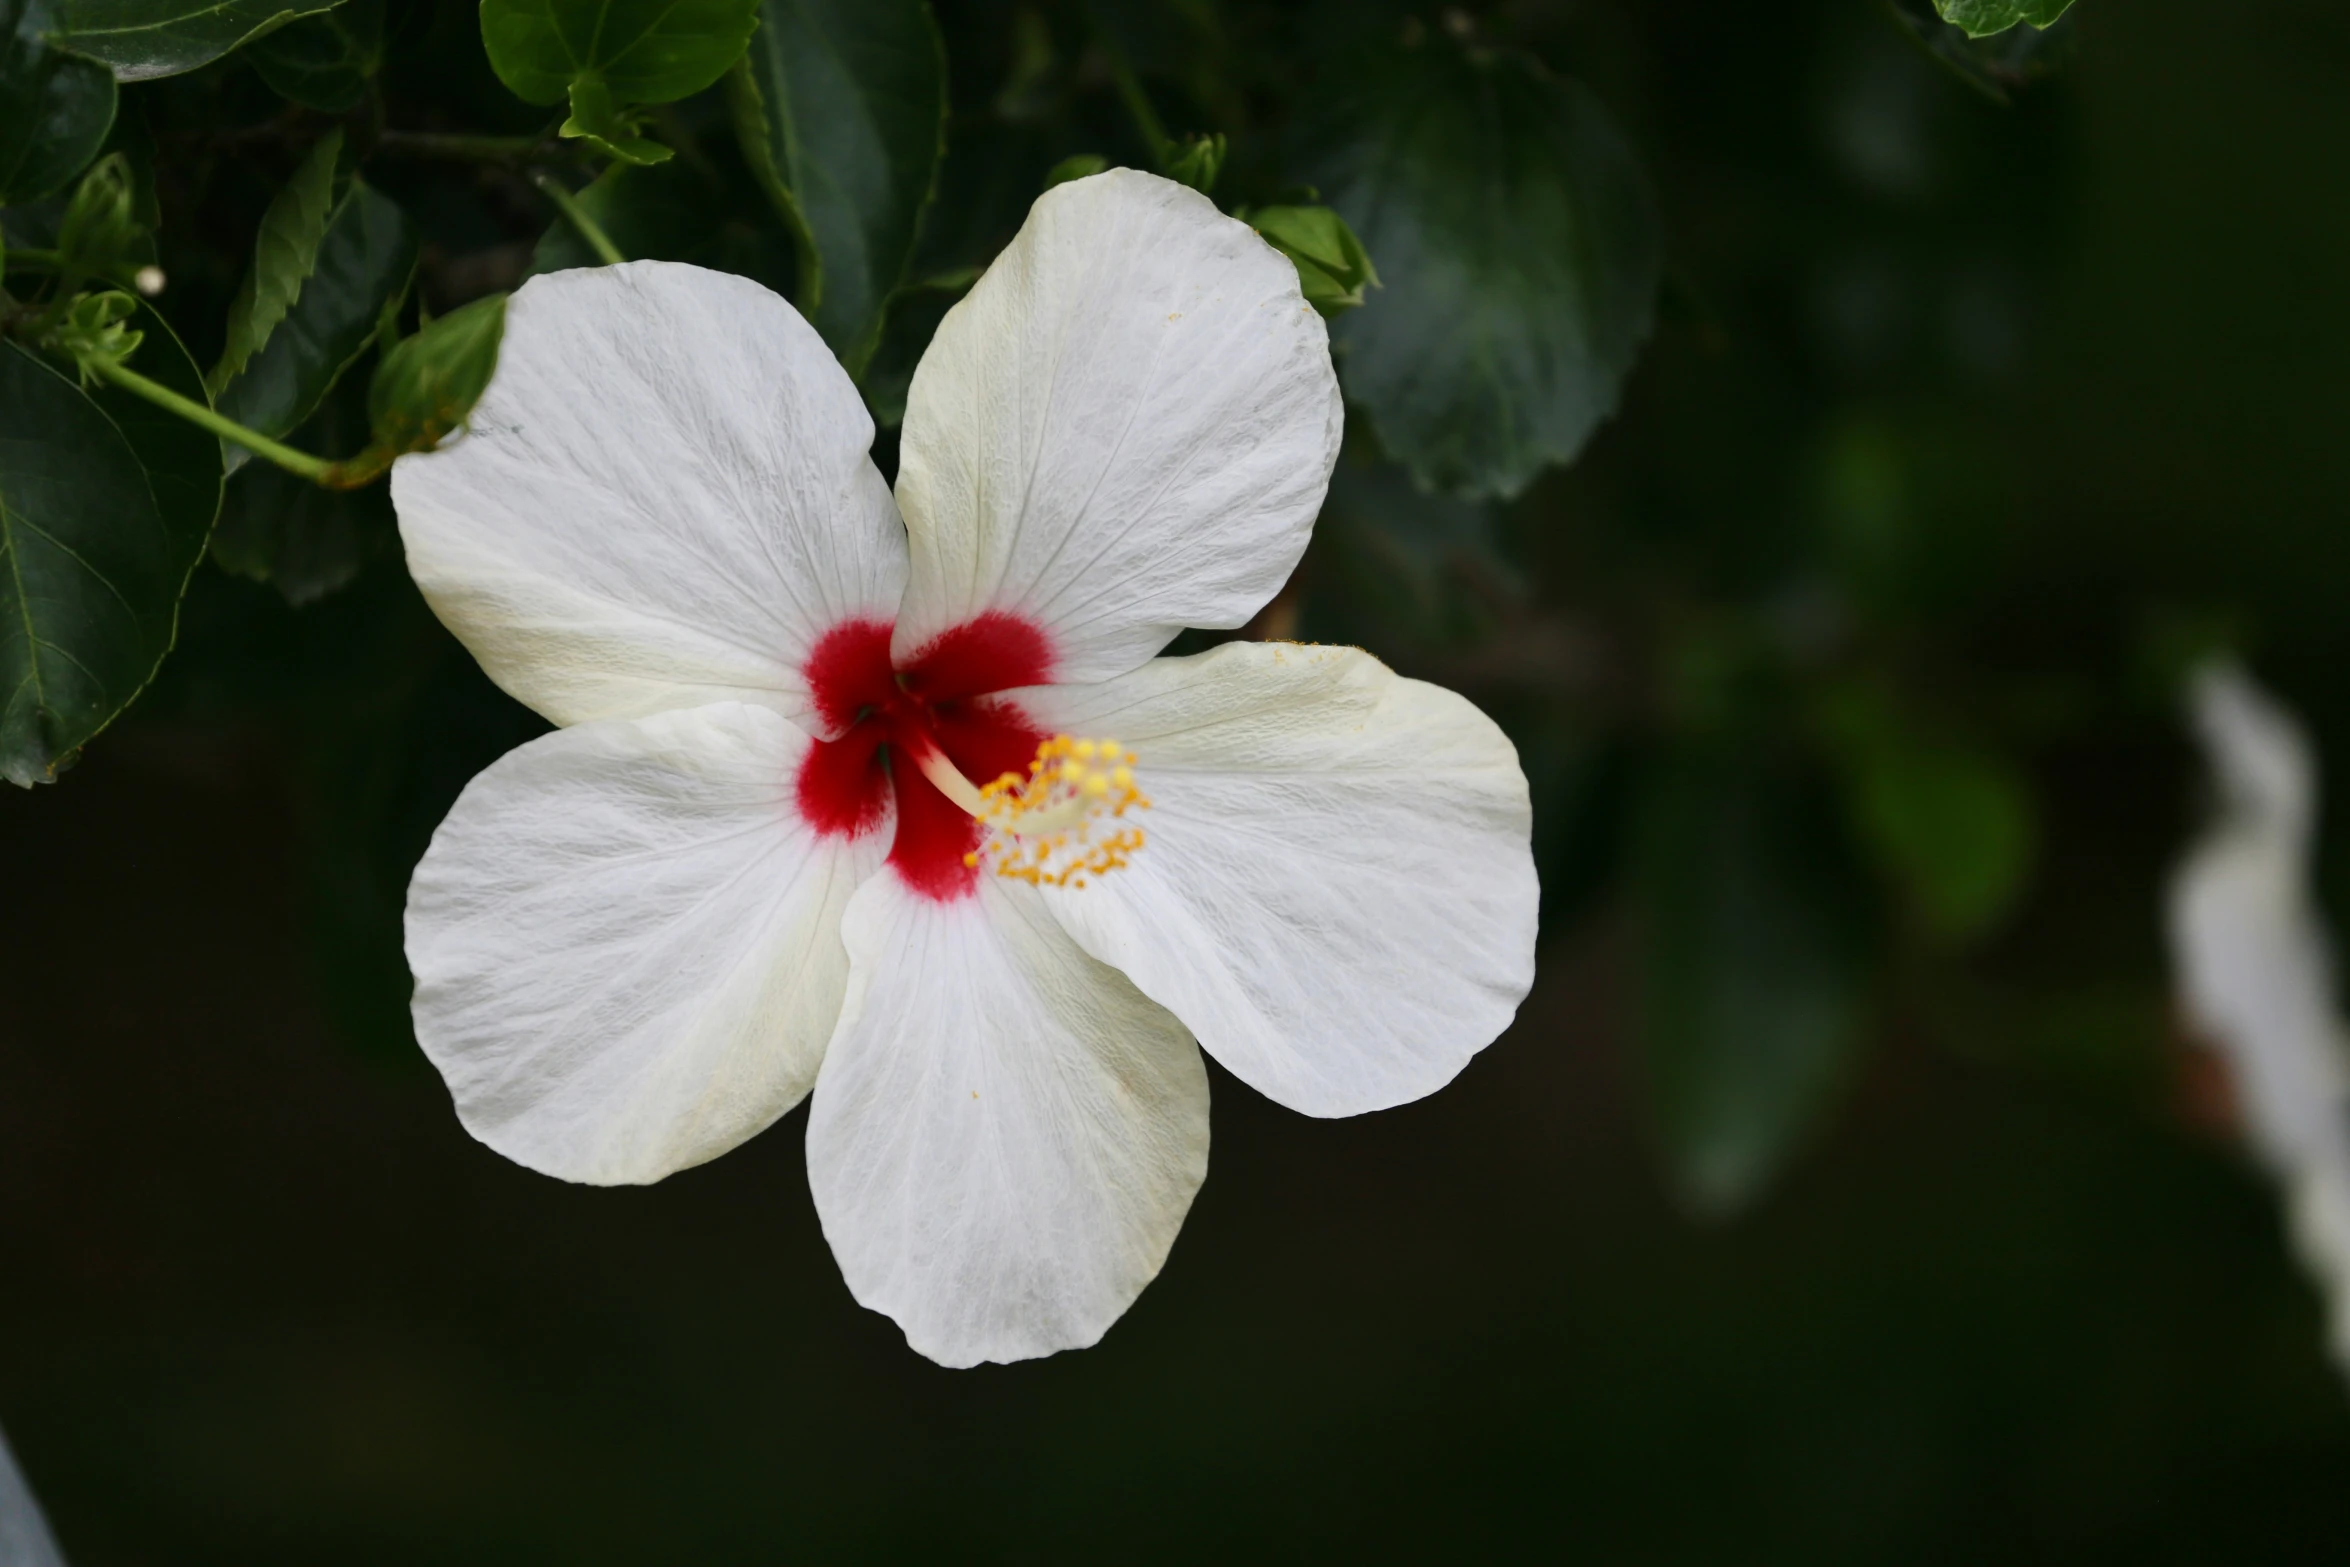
(1752, 969)
(142, 39)
(849, 128)
(59, 106)
(324, 61)
(1075, 167)
(1518, 242)
(1952, 825)
(629, 51)
(304, 539)
(678, 211)
(1333, 269)
(284, 253)
(1982, 18)
(362, 268)
(105, 502)
(429, 382)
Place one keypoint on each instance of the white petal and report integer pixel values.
(627, 944)
(1337, 889)
(664, 498)
(1124, 429)
(1005, 1136)
(2254, 973)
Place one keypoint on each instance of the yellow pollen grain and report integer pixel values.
(1095, 786)
(1072, 771)
(1082, 750)
(1122, 777)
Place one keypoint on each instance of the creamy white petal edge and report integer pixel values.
(2253, 970)
(626, 943)
(1006, 1135)
(663, 499)
(1124, 429)
(1337, 891)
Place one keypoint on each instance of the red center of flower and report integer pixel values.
(886, 714)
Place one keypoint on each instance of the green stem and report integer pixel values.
(460, 147)
(1138, 104)
(315, 469)
(36, 260)
(576, 215)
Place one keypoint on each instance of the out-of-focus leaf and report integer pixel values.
(1075, 167)
(1982, 18)
(361, 267)
(105, 502)
(284, 253)
(1197, 162)
(58, 106)
(629, 51)
(1518, 241)
(430, 381)
(846, 126)
(323, 61)
(142, 39)
(1951, 824)
(1413, 573)
(1752, 969)
(678, 211)
(1333, 269)
(304, 539)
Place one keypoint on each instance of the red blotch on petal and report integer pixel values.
(941, 698)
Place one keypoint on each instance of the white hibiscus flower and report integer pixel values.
(2255, 973)
(768, 852)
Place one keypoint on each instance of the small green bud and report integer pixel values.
(599, 121)
(92, 329)
(1333, 269)
(429, 382)
(1196, 162)
(101, 224)
(1075, 168)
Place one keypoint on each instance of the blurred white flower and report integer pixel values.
(25, 1540)
(2254, 972)
(772, 850)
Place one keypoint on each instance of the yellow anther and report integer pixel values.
(971, 859)
(1123, 777)
(1060, 824)
(1072, 771)
(1109, 749)
(1082, 750)
(1096, 786)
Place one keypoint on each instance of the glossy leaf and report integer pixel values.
(285, 251)
(105, 502)
(1752, 970)
(361, 268)
(323, 62)
(1518, 242)
(430, 381)
(142, 39)
(58, 106)
(1982, 18)
(848, 131)
(632, 51)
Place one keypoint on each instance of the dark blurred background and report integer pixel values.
(1845, 1191)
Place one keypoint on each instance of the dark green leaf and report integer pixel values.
(284, 253)
(678, 211)
(850, 128)
(1953, 825)
(141, 39)
(632, 51)
(1076, 167)
(1518, 242)
(362, 265)
(1752, 970)
(1982, 18)
(105, 502)
(429, 382)
(58, 106)
(303, 539)
(323, 61)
